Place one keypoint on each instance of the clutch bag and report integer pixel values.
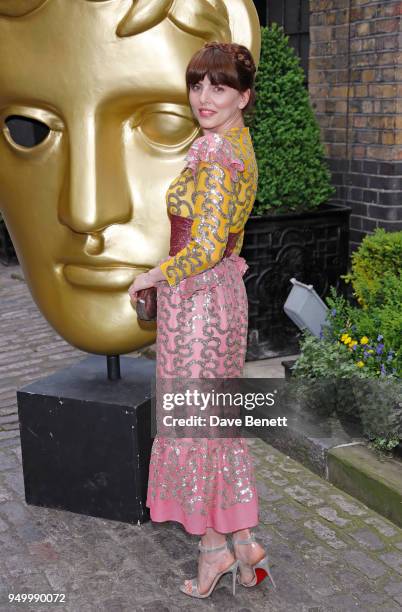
(146, 304)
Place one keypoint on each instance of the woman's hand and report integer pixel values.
(143, 281)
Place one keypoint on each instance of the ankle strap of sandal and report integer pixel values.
(213, 549)
(249, 540)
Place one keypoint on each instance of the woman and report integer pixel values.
(208, 485)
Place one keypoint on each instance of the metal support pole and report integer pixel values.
(113, 367)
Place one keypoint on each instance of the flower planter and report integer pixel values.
(313, 247)
(7, 252)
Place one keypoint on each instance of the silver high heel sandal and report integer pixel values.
(261, 569)
(194, 584)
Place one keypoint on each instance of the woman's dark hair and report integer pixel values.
(225, 64)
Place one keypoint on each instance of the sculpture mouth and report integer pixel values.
(102, 277)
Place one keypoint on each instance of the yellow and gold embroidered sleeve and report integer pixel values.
(213, 213)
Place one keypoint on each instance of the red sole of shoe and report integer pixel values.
(261, 574)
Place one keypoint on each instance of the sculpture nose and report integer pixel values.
(95, 191)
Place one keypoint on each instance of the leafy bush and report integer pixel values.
(356, 364)
(378, 254)
(293, 175)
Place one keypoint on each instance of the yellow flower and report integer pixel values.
(360, 364)
(347, 340)
(364, 340)
(352, 343)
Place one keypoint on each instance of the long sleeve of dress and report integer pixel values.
(239, 244)
(215, 169)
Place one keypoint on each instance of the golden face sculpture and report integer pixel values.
(94, 125)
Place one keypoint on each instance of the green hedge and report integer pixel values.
(378, 253)
(293, 175)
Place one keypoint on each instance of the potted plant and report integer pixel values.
(357, 361)
(294, 231)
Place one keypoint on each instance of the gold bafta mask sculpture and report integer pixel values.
(101, 83)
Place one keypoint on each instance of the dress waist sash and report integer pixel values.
(180, 234)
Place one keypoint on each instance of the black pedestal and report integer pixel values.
(86, 440)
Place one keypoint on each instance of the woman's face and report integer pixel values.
(217, 107)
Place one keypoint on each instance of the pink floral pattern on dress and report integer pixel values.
(214, 148)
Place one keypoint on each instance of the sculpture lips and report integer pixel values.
(102, 277)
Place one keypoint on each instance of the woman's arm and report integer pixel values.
(213, 213)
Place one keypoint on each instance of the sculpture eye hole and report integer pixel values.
(25, 131)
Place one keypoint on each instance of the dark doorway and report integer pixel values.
(293, 15)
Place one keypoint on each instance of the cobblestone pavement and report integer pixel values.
(327, 551)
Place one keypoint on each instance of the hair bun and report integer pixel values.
(239, 53)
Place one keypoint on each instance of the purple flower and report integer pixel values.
(333, 312)
(379, 337)
(379, 348)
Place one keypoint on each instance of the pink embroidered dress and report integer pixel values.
(202, 332)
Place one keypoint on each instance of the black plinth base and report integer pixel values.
(86, 440)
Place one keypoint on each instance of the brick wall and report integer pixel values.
(355, 85)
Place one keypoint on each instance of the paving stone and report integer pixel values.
(15, 512)
(371, 599)
(3, 525)
(389, 606)
(343, 602)
(291, 511)
(268, 517)
(320, 555)
(10, 544)
(13, 434)
(303, 496)
(11, 426)
(365, 564)
(290, 468)
(367, 539)
(7, 419)
(398, 599)
(7, 461)
(348, 506)
(394, 560)
(274, 476)
(266, 493)
(331, 515)
(324, 533)
(29, 533)
(393, 588)
(384, 527)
